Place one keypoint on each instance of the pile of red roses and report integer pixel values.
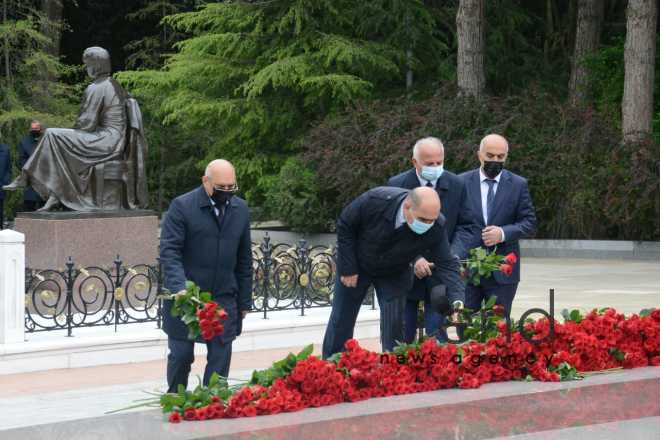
(210, 320)
(600, 340)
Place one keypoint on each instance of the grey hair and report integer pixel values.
(98, 61)
(426, 140)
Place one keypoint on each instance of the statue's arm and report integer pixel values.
(91, 108)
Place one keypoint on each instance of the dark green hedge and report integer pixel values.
(585, 184)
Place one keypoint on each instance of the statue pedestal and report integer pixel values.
(91, 238)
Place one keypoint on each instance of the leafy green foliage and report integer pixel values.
(584, 184)
(253, 75)
(186, 304)
(572, 315)
(481, 264)
(198, 397)
(566, 372)
(280, 368)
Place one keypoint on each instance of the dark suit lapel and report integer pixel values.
(475, 189)
(206, 206)
(411, 181)
(503, 188)
(441, 187)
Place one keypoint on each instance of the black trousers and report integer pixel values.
(346, 303)
(182, 355)
(2, 213)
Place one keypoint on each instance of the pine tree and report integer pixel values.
(255, 75)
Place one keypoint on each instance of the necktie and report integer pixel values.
(490, 198)
(428, 183)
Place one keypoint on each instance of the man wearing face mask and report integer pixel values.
(205, 239)
(31, 200)
(505, 214)
(428, 160)
(379, 234)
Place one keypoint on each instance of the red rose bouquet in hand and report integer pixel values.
(481, 263)
(197, 310)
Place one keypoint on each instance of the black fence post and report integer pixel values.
(117, 293)
(303, 277)
(69, 296)
(266, 251)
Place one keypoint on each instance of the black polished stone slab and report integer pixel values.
(68, 215)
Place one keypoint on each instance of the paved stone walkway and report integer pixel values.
(88, 392)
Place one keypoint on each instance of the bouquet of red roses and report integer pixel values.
(199, 312)
(481, 263)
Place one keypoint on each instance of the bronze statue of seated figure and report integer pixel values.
(100, 163)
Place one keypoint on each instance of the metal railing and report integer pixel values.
(285, 277)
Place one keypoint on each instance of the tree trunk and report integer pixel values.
(470, 24)
(587, 40)
(639, 56)
(52, 26)
(6, 54)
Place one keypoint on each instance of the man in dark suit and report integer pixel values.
(5, 178)
(428, 170)
(205, 238)
(378, 236)
(31, 200)
(505, 214)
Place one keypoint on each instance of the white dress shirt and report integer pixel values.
(484, 195)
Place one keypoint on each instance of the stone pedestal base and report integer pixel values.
(91, 239)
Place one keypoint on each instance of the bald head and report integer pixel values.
(422, 204)
(493, 148)
(219, 173)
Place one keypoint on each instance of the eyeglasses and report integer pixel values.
(228, 188)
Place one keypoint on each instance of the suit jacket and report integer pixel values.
(5, 168)
(459, 220)
(25, 149)
(368, 243)
(513, 211)
(215, 254)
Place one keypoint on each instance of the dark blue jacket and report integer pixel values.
(5, 168)
(459, 220)
(368, 243)
(513, 211)
(216, 255)
(25, 149)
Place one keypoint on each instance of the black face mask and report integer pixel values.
(221, 197)
(35, 134)
(492, 168)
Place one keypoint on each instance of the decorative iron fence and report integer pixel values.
(285, 278)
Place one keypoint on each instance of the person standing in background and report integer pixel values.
(31, 200)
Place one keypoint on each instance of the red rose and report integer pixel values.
(175, 417)
(190, 414)
(498, 309)
(506, 269)
(222, 315)
(351, 344)
(207, 334)
(204, 323)
(511, 258)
